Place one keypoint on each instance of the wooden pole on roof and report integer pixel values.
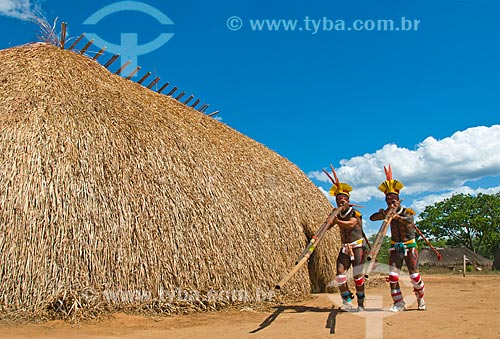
(144, 77)
(111, 60)
(214, 113)
(195, 103)
(180, 96)
(188, 99)
(133, 73)
(99, 53)
(76, 41)
(163, 87)
(154, 82)
(63, 34)
(172, 91)
(123, 67)
(84, 49)
(203, 108)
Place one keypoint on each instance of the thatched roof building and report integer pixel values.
(496, 262)
(452, 258)
(112, 194)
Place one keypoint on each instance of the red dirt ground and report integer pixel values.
(458, 307)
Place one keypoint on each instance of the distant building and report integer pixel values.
(496, 262)
(453, 259)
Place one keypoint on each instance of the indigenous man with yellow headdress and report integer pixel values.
(403, 244)
(353, 251)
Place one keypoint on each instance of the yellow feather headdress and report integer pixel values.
(390, 185)
(338, 187)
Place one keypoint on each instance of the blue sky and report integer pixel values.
(423, 98)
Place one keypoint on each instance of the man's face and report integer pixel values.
(341, 199)
(392, 199)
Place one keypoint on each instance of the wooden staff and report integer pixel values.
(367, 241)
(314, 240)
(379, 239)
(439, 256)
(313, 243)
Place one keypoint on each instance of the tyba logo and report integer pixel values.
(129, 48)
(375, 311)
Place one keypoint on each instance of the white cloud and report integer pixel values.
(420, 204)
(325, 192)
(359, 193)
(20, 9)
(434, 165)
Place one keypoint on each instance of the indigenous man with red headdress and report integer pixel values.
(403, 244)
(353, 251)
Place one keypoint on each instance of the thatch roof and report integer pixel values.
(108, 187)
(452, 257)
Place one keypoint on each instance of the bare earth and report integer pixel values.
(457, 307)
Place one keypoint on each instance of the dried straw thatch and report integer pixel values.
(112, 195)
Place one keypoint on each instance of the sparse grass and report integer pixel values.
(48, 32)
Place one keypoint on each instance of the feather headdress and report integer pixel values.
(390, 185)
(338, 187)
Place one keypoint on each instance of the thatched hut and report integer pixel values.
(453, 259)
(112, 194)
(496, 262)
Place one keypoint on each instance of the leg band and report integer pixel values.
(415, 278)
(393, 277)
(341, 279)
(359, 281)
(396, 295)
(418, 285)
(347, 295)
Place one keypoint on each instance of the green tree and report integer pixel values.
(465, 220)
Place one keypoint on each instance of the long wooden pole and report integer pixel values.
(465, 266)
(379, 239)
(313, 243)
(439, 256)
(63, 35)
(314, 240)
(367, 241)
